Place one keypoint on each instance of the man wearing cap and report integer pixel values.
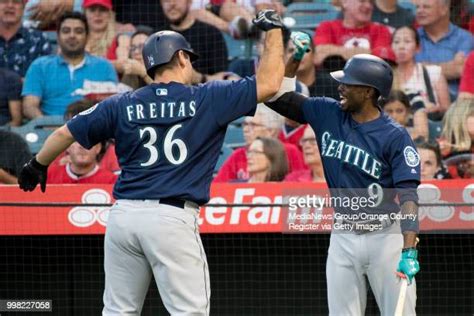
(366, 157)
(104, 38)
(19, 46)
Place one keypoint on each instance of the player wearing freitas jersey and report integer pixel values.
(168, 137)
(366, 157)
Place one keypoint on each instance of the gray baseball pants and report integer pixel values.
(145, 238)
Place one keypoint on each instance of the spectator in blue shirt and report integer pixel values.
(52, 82)
(442, 42)
(19, 46)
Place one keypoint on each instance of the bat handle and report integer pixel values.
(401, 296)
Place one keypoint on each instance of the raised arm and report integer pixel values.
(270, 71)
(287, 102)
(453, 69)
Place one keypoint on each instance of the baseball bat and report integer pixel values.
(401, 297)
(403, 290)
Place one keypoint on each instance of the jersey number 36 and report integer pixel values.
(168, 145)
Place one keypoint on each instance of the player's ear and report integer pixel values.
(182, 57)
(370, 93)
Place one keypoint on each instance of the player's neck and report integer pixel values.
(167, 78)
(368, 113)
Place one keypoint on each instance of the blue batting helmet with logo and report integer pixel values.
(160, 48)
(366, 70)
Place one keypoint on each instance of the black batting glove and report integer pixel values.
(31, 174)
(267, 20)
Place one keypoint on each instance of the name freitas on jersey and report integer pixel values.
(161, 110)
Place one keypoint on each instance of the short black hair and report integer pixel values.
(77, 107)
(422, 143)
(397, 95)
(142, 29)
(75, 16)
(412, 29)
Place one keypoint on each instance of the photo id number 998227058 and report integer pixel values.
(26, 305)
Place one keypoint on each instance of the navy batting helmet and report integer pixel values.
(366, 70)
(160, 48)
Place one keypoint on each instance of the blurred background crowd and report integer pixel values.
(60, 57)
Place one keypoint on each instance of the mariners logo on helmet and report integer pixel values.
(151, 60)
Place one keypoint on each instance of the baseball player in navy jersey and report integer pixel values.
(363, 151)
(168, 137)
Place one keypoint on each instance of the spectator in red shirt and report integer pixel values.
(354, 34)
(312, 159)
(82, 168)
(267, 161)
(265, 123)
(466, 87)
(291, 133)
(107, 157)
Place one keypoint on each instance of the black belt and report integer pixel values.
(178, 202)
(173, 202)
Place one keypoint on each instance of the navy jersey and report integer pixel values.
(379, 153)
(168, 136)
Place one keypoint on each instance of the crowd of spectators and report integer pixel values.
(61, 57)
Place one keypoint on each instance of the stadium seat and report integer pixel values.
(308, 15)
(225, 153)
(36, 131)
(52, 37)
(240, 48)
(33, 137)
(407, 4)
(434, 128)
(48, 121)
(238, 122)
(234, 137)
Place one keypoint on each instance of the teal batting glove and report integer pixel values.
(301, 41)
(409, 264)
